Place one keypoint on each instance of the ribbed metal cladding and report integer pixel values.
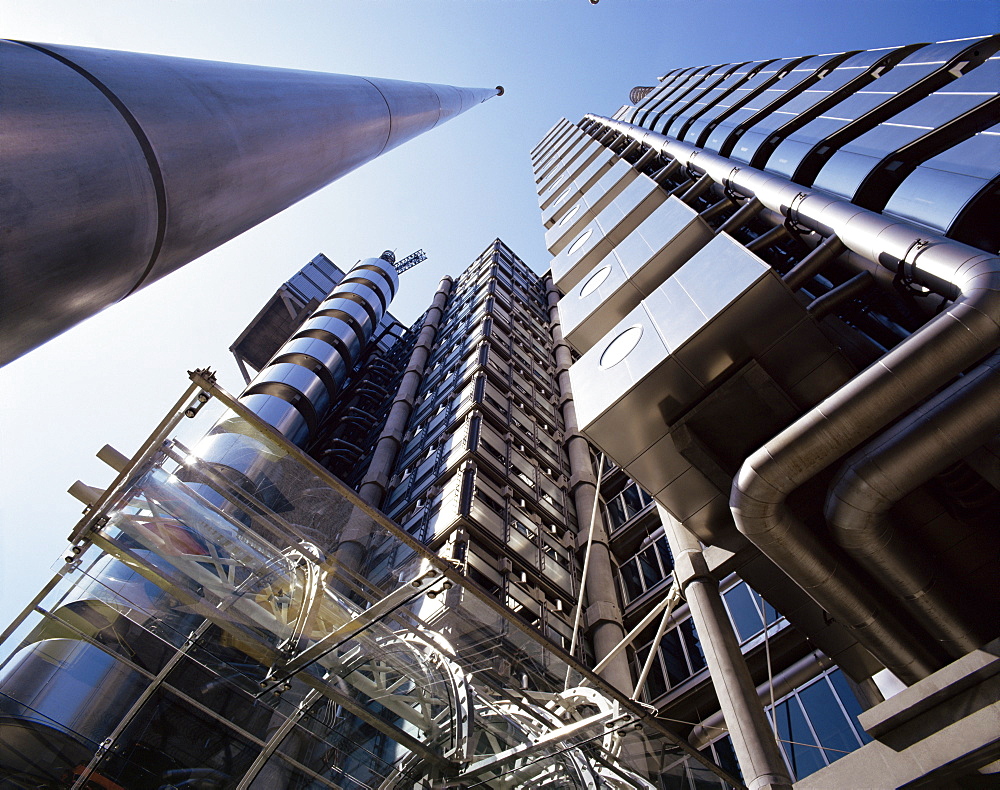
(294, 390)
(640, 92)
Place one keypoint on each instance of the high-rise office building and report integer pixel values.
(780, 278)
(563, 590)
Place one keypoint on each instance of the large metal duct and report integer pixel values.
(119, 167)
(944, 430)
(964, 333)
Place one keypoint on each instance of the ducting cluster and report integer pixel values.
(854, 573)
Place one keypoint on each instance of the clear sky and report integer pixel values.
(451, 191)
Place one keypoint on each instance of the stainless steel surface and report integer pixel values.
(293, 392)
(122, 167)
(650, 254)
(945, 429)
(596, 163)
(68, 689)
(959, 337)
(593, 198)
(619, 218)
(936, 192)
(697, 327)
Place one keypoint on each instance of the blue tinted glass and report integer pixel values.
(726, 757)
(849, 701)
(631, 579)
(695, 655)
(673, 657)
(633, 503)
(651, 572)
(666, 558)
(832, 728)
(616, 512)
(803, 754)
(656, 681)
(743, 611)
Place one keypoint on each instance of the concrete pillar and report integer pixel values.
(354, 539)
(603, 614)
(753, 740)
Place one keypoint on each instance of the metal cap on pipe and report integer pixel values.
(121, 167)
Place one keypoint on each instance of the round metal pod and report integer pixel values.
(279, 414)
(364, 291)
(356, 315)
(380, 267)
(304, 385)
(337, 333)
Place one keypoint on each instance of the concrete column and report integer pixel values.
(603, 614)
(354, 539)
(753, 740)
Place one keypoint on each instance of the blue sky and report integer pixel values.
(449, 192)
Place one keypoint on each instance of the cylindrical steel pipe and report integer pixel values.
(960, 336)
(945, 429)
(121, 167)
(354, 539)
(293, 391)
(752, 736)
(605, 622)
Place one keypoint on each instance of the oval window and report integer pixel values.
(562, 198)
(570, 214)
(621, 346)
(596, 281)
(580, 241)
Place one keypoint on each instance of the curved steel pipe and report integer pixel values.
(934, 355)
(945, 429)
(121, 167)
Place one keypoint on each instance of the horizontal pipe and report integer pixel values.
(959, 337)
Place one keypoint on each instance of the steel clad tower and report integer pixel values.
(781, 281)
(712, 502)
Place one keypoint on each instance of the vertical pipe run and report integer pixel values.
(752, 737)
(603, 613)
(354, 539)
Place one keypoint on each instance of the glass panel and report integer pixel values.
(616, 512)
(632, 579)
(695, 654)
(673, 657)
(632, 499)
(804, 757)
(651, 573)
(666, 559)
(230, 568)
(832, 728)
(849, 701)
(743, 610)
